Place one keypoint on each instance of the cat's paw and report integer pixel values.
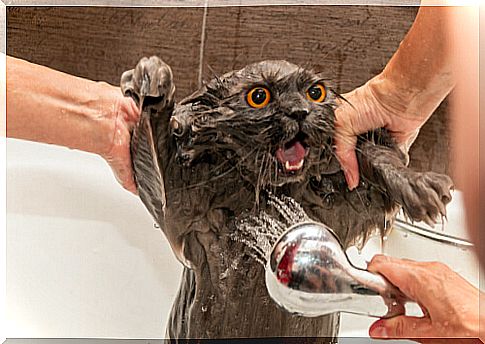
(422, 195)
(150, 84)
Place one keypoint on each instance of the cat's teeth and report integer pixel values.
(296, 167)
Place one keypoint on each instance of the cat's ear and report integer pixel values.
(194, 97)
(207, 95)
(211, 92)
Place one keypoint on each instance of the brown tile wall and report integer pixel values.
(350, 43)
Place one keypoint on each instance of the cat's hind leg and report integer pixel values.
(151, 87)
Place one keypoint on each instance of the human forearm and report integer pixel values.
(419, 75)
(48, 106)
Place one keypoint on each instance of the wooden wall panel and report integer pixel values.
(101, 42)
(350, 43)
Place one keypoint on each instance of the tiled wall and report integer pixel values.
(350, 43)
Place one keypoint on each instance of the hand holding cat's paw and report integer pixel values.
(124, 116)
(370, 107)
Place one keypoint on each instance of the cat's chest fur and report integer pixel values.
(207, 205)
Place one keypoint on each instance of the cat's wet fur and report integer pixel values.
(201, 163)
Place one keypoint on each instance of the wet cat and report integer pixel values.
(203, 162)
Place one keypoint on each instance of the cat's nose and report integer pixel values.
(299, 114)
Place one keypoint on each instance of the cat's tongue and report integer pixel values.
(291, 156)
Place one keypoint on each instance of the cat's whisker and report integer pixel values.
(216, 168)
(205, 182)
(276, 170)
(266, 169)
(363, 203)
(260, 173)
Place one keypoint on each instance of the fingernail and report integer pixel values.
(378, 330)
(347, 174)
(352, 182)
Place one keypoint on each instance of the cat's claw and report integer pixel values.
(422, 195)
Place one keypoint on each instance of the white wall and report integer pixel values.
(83, 256)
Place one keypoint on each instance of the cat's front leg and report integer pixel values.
(422, 195)
(150, 85)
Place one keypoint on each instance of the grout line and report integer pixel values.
(202, 43)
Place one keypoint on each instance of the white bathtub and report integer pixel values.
(85, 260)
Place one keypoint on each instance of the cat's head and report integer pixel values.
(273, 121)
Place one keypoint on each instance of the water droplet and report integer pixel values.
(260, 232)
(405, 234)
(204, 309)
(234, 264)
(223, 275)
(155, 225)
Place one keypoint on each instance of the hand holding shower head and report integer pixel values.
(308, 273)
(307, 270)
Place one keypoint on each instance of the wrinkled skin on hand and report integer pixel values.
(364, 109)
(122, 115)
(450, 304)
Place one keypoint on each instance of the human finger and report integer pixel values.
(400, 272)
(123, 173)
(345, 153)
(402, 326)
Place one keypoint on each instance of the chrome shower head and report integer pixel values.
(308, 273)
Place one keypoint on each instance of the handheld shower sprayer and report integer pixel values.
(308, 273)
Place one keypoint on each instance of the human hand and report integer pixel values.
(72, 112)
(120, 114)
(403, 96)
(374, 105)
(450, 304)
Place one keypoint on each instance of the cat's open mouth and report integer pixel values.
(291, 155)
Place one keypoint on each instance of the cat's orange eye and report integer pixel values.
(258, 97)
(316, 93)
